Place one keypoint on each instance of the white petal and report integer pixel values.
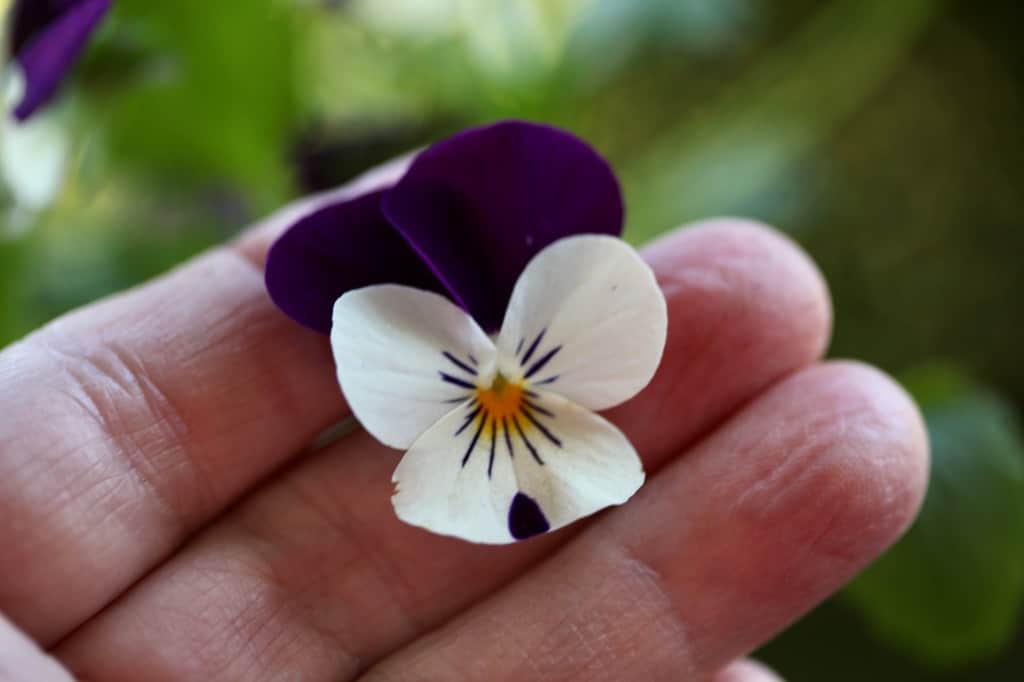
(404, 358)
(587, 320)
(465, 478)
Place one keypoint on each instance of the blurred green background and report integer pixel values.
(883, 135)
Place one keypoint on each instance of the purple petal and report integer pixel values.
(479, 205)
(47, 51)
(342, 246)
(28, 17)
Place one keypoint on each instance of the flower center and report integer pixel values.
(503, 399)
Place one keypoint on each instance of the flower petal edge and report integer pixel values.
(479, 205)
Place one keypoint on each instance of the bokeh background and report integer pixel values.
(883, 135)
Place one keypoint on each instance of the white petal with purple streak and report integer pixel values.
(587, 320)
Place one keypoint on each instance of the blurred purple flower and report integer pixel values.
(468, 215)
(46, 38)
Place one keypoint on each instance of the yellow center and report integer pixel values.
(502, 400)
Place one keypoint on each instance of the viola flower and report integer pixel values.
(480, 311)
(45, 38)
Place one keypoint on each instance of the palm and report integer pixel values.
(164, 520)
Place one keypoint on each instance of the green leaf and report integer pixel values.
(211, 96)
(950, 592)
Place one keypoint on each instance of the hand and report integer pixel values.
(162, 518)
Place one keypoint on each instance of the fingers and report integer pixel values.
(130, 423)
(747, 671)
(22, 661)
(316, 567)
(724, 548)
(746, 307)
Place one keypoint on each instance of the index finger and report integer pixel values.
(130, 423)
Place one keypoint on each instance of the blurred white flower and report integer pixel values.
(507, 40)
(33, 154)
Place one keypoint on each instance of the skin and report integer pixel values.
(164, 519)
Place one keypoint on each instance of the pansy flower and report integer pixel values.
(481, 311)
(45, 38)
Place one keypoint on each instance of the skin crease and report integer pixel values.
(162, 523)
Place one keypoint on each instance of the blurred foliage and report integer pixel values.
(209, 95)
(882, 135)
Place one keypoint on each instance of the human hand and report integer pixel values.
(163, 519)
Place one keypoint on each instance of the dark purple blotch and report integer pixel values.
(525, 519)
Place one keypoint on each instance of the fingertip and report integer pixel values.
(849, 466)
(887, 447)
(776, 277)
(746, 308)
(795, 494)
